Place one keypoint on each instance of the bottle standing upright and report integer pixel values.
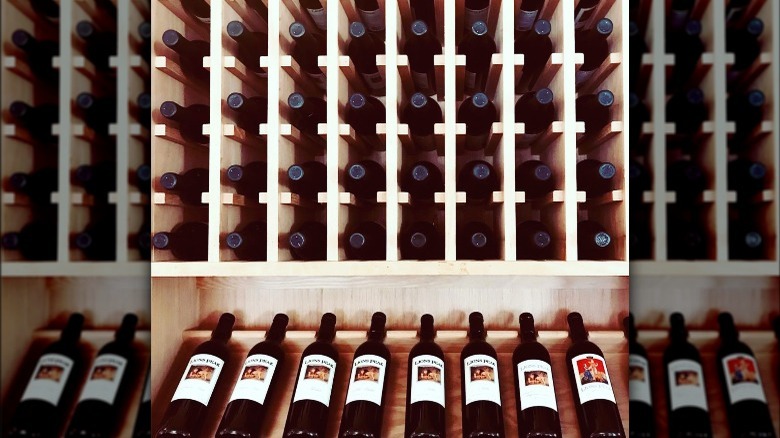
(480, 391)
(425, 386)
(640, 404)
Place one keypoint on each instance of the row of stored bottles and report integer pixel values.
(740, 381)
(310, 407)
(101, 389)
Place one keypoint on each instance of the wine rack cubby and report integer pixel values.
(720, 209)
(336, 144)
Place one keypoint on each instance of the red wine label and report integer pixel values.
(374, 20)
(320, 17)
(375, 81)
(367, 379)
(639, 379)
(49, 378)
(255, 378)
(742, 379)
(319, 80)
(525, 20)
(582, 76)
(471, 80)
(427, 380)
(199, 379)
(473, 15)
(104, 378)
(592, 378)
(536, 385)
(481, 374)
(686, 385)
(315, 381)
(421, 80)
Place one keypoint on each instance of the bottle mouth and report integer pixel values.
(161, 240)
(476, 323)
(633, 100)
(634, 171)
(633, 29)
(145, 30)
(19, 109)
(235, 29)
(357, 240)
(21, 38)
(297, 240)
(84, 173)
(693, 28)
(692, 239)
(143, 173)
(85, 100)
(235, 173)
(757, 171)
(607, 171)
(420, 173)
(542, 27)
(235, 100)
(542, 239)
(144, 101)
(604, 26)
(480, 100)
(481, 171)
(357, 101)
(171, 38)
(602, 239)
(297, 30)
(85, 29)
(357, 29)
(11, 240)
(695, 96)
(606, 98)
(418, 240)
(419, 28)
(692, 172)
(295, 172)
(144, 240)
(755, 26)
(168, 109)
(756, 98)
(544, 96)
(18, 181)
(479, 240)
(753, 239)
(83, 240)
(479, 28)
(419, 100)
(295, 100)
(169, 180)
(357, 171)
(234, 240)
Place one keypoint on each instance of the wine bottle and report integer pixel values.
(640, 404)
(686, 239)
(591, 384)
(421, 241)
(535, 178)
(527, 14)
(36, 241)
(305, 114)
(679, 13)
(187, 241)
(251, 46)
(638, 115)
(51, 388)
(425, 386)
(595, 110)
(421, 114)
(372, 15)
(537, 111)
(687, 111)
(109, 383)
(479, 180)
(189, 405)
(189, 186)
(143, 419)
(536, 47)
(310, 405)
(98, 113)
(143, 240)
(686, 390)
(422, 182)
(39, 53)
(189, 119)
(537, 408)
(249, 180)
(144, 109)
(142, 178)
(735, 9)
(364, 406)
(307, 179)
(47, 9)
(363, 114)
(534, 241)
(248, 242)
(256, 386)
(593, 241)
(37, 120)
(99, 45)
(191, 54)
(366, 241)
(746, 177)
(476, 241)
(98, 239)
(686, 178)
(478, 47)
(425, 11)
(259, 7)
(741, 383)
(307, 48)
(475, 10)
(687, 48)
(362, 50)
(479, 114)
(421, 47)
(583, 11)
(199, 10)
(595, 177)
(98, 180)
(747, 112)
(249, 112)
(744, 44)
(144, 31)
(746, 242)
(594, 46)
(364, 179)
(316, 12)
(481, 401)
(38, 185)
(309, 242)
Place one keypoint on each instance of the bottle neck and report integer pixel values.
(224, 328)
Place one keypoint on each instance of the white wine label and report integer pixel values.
(525, 20)
(427, 380)
(320, 17)
(49, 378)
(481, 374)
(536, 385)
(471, 80)
(374, 20)
(255, 378)
(375, 81)
(315, 381)
(104, 378)
(421, 80)
(147, 390)
(582, 17)
(319, 80)
(473, 15)
(199, 379)
(639, 379)
(592, 378)
(742, 379)
(367, 379)
(686, 385)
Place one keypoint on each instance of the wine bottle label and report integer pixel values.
(255, 378)
(320, 17)
(49, 378)
(199, 379)
(147, 390)
(742, 379)
(375, 81)
(582, 16)
(319, 80)
(678, 17)
(367, 379)
(473, 15)
(582, 76)
(686, 385)
(374, 20)
(315, 381)
(471, 80)
(104, 378)
(427, 380)
(481, 374)
(638, 379)
(424, 142)
(592, 378)
(536, 385)
(421, 80)
(525, 20)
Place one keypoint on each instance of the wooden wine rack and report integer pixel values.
(280, 147)
(714, 158)
(190, 308)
